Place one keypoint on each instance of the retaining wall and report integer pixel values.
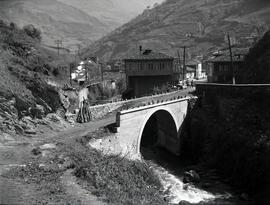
(210, 91)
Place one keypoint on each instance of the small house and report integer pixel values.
(220, 69)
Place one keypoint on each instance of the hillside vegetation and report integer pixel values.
(258, 62)
(202, 25)
(25, 68)
(57, 21)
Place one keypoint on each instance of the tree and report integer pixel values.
(33, 32)
(260, 27)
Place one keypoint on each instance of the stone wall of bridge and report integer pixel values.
(100, 111)
(170, 116)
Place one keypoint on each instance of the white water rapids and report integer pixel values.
(175, 190)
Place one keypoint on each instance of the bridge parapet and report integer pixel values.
(151, 105)
(99, 111)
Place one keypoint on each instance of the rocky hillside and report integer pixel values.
(200, 24)
(25, 69)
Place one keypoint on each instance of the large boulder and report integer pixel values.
(191, 177)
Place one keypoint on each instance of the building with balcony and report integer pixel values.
(148, 70)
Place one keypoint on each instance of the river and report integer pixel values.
(170, 171)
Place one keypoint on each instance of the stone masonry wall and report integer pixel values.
(100, 111)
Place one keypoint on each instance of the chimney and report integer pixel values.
(140, 49)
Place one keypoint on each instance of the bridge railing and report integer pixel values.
(99, 111)
(150, 105)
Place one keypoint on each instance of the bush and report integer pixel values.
(55, 72)
(117, 179)
(33, 32)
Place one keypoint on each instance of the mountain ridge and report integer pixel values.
(201, 25)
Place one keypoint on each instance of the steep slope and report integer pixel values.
(55, 19)
(25, 68)
(202, 25)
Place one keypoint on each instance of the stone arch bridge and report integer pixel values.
(162, 119)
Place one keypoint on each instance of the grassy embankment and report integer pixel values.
(113, 179)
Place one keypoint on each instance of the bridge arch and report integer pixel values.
(164, 122)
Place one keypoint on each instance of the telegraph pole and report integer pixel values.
(184, 62)
(79, 48)
(231, 59)
(70, 77)
(58, 43)
(179, 61)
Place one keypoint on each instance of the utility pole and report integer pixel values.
(79, 48)
(86, 72)
(184, 62)
(58, 43)
(102, 83)
(231, 59)
(70, 77)
(179, 61)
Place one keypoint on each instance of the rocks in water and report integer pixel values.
(184, 203)
(244, 197)
(36, 151)
(206, 185)
(191, 177)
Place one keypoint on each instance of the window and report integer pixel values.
(220, 68)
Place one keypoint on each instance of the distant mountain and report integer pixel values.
(113, 13)
(55, 19)
(201, 25)
(75, 22)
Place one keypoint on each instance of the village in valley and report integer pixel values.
(149, 102)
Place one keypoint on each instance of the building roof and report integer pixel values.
(226, 58)
(190, 70)
(193, 62)
(224, 55)
(149, 55)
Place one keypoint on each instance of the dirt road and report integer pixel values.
(15, 151)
